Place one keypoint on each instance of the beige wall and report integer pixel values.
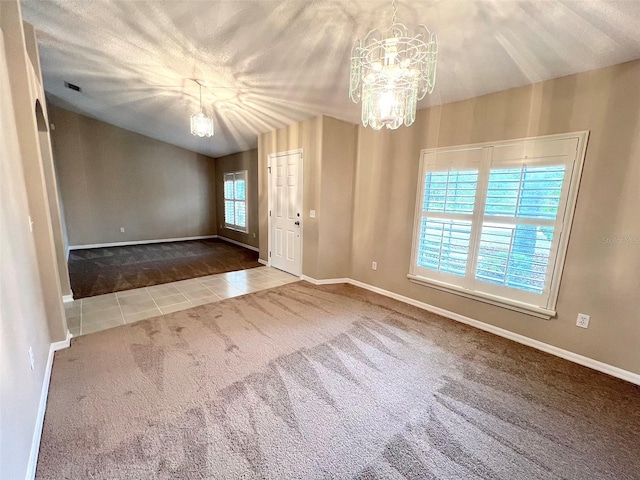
(28, 99)
(328, 147)
(336, 195)
(602, 280)
(235, 163)
(23, 273)
(55, 212)
(111, 178)
(48, 169)
(51, 186)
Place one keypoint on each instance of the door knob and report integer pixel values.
(297, 223)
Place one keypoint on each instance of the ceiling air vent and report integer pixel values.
(72, 86)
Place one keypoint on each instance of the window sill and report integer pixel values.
(235, 229)
(484, 297)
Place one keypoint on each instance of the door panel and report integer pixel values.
(286, 200)
(278, 242)
(290, 246)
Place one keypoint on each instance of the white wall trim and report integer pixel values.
(235, 242)
(328, 281)
(139, 242)
(501, 332)
(264, 262)
(37, 433)
(67, 298)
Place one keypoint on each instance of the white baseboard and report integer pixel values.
(139, 242)
(501, 332)
(328, 281)
(61, 345)
(264, 262)
(67, 298)
(235, 242)
(37, 433)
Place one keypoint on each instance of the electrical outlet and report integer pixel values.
(583, 320)
(374, 265)
(254, 234)
(32, 360)
(312, 214)
(121, 229)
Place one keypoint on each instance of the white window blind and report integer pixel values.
(235, 200)
(492, 220)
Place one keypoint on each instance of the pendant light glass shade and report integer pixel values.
(391, 72)
(201, 124)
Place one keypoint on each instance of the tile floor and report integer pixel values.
(92, 314)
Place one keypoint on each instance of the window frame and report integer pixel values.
(495, 294)
(243, 174)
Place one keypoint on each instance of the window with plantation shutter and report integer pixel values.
(492, 220)
(235, 200)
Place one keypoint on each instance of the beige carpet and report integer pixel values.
(329, 382)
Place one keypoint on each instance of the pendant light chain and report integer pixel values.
(394, 5)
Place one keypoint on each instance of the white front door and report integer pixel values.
(285, 210)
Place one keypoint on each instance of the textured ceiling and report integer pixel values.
(268, 64)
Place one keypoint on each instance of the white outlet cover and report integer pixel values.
(583, 320)
(312, 213)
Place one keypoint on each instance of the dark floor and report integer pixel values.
(96, 271)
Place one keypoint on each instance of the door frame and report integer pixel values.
(300, 199)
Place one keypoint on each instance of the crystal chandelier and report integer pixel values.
(391, 72)
(201, 125)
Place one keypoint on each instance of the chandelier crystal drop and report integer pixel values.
(201, 124)
(391, 72)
